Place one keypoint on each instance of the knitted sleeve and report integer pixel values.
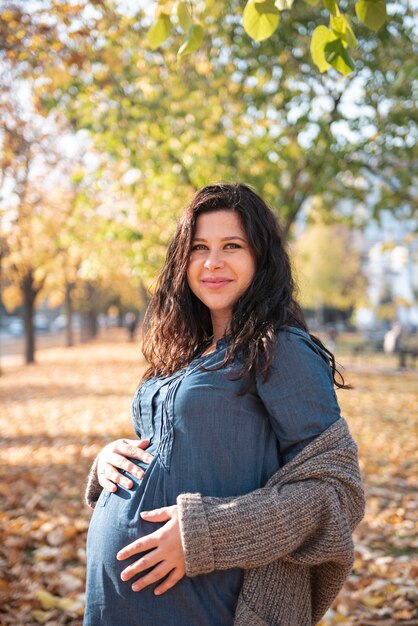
(307, 516)
(93, 487)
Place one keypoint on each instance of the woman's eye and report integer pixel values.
(232, 245)
(229, 246)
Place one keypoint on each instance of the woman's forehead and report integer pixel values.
(221, 223)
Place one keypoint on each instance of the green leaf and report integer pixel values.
(312, 2)
(337, 56)
(372, 13)
(183, 15)
(320, 38)
(260, 19)
(159, 32)
(331, 6)
(283, 5)
(193, 40)
(343, 30)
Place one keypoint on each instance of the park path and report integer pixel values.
(56, 415)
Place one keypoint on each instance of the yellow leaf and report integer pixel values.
(159, 32)
(373, 601)
(41, 616)
(47, 600)
(321, 36)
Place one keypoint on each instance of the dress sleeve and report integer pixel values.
(299, 394)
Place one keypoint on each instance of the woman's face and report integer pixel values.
(222, 264)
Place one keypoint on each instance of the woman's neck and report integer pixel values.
(220, 326)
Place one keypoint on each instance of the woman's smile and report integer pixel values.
(216, 283)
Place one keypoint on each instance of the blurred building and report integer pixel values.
(390, 256)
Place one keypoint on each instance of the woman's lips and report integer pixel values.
(216, 283)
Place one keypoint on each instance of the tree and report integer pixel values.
(29, 213)
(235, 113)
(56, 241)
(192, 23)
(236, 110)
(328, 268)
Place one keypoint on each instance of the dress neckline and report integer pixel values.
(219, 344)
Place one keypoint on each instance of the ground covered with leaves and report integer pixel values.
(57, 414)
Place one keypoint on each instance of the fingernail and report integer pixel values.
(148, 458)
(139, 474)
(157, 592)
(144, 513)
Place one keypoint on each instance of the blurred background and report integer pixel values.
(106, 130)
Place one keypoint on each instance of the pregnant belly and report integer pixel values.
(116, 522)
(206, 600)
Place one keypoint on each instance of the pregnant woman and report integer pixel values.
(237, 503)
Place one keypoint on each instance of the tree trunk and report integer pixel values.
(145, 297)
(69, 336)
(92, 323)
(29, 295)
(91, 318)
(84, 334)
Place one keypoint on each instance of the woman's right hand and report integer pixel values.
(115, 456)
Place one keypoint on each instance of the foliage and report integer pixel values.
(328, 267)
(189, 24)
(233, 113)
(261, 18)
(237, 110)
(55, 215)
(56, 417)
(31, 209)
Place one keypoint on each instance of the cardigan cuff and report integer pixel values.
(195, 535)
(93, 488)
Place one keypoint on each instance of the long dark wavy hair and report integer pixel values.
(177, 323)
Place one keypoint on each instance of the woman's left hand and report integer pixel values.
(166, 557)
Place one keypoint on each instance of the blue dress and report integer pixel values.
(204, 439)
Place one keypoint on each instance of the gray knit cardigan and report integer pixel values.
(292, 537)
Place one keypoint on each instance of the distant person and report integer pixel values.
(331, 335)
(131, 323)
(392, 339)
(236, 504)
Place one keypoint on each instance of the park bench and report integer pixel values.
(370, 346)
(405, 353)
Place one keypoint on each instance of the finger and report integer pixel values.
(157, 515)
(103, 479)
(135, 450)
(148, 560)
(107, 484)
(138, 443)
(112, 474)
(137, 546)
(158, 572)
(117, 460)
(172, 579)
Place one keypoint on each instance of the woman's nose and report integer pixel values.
(213, 260)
